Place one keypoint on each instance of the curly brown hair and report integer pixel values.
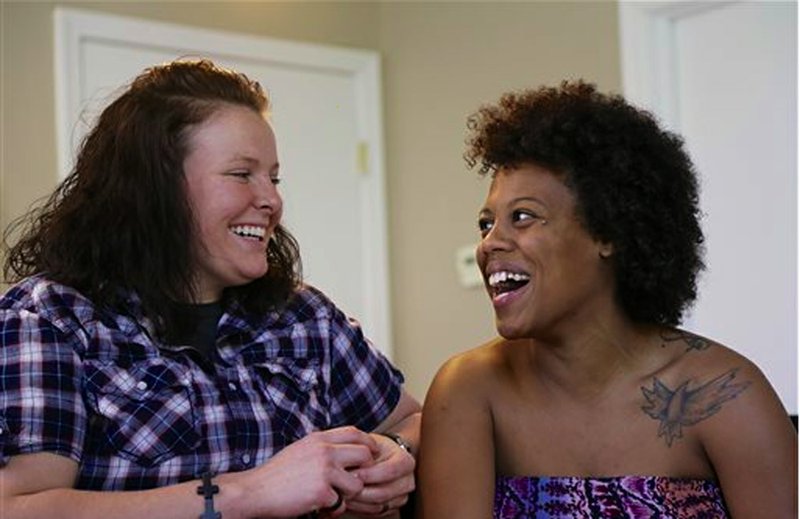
(120, 221)
(634, 183)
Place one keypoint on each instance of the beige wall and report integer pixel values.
(440, 62)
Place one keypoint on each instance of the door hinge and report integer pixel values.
(362, 157)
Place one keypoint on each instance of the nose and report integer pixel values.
(497, 239)
(266, 196)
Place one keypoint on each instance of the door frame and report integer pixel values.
(649, 58)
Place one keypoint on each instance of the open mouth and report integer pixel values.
(250, 232)
(505, 281)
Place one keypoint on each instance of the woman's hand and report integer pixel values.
(309, 475)
(387, 480)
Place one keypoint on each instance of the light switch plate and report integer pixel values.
(467, 267)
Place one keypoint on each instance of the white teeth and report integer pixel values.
(499, 277)
(249, 231)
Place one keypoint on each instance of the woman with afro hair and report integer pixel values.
(592, 402)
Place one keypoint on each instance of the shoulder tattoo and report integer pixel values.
(692, 341)
(676, 408)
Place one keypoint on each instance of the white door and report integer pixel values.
(724, 75)
(326, 114)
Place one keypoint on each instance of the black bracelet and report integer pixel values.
(207, 490)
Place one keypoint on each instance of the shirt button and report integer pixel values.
(246, 459)
(232, 386)
(141, 385)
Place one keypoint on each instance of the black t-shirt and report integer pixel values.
(198, 326)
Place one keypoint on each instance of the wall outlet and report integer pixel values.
(467, 267)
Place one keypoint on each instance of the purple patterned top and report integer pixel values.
(629, 497)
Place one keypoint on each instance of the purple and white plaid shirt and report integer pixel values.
(136, 414)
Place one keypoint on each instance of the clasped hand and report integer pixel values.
(371, 472)
(388, 480)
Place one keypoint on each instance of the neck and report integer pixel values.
(589, 361)
(205, 295)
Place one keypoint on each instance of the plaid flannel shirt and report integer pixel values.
(135, 414)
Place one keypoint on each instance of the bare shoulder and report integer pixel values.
(727, 404)
(710, 379)
(734, 372)
(467, 384)
(699, 358)
(473, 374)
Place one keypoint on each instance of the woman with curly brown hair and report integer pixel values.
(592, 403)
(160, 340)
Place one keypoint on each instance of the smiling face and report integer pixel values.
(231, 172)
(544, 273)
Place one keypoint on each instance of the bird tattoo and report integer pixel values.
(681, 407)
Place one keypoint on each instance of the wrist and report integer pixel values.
(400, 441)
(231, 501)
(207, 490)
(408, 429)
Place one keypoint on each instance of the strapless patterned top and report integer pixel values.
(628, 497)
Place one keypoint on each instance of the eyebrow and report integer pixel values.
(528, 199)
(243, 158)
(239, 159)
(517, 200)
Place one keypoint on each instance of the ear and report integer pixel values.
(605, 250)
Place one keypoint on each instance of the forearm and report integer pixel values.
(405, 421)
(173, 502)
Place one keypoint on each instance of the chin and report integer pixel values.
(253, 272)
(510, 331)
(245, 278)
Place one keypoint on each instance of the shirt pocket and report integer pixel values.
(147, 410)
(292, 386)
